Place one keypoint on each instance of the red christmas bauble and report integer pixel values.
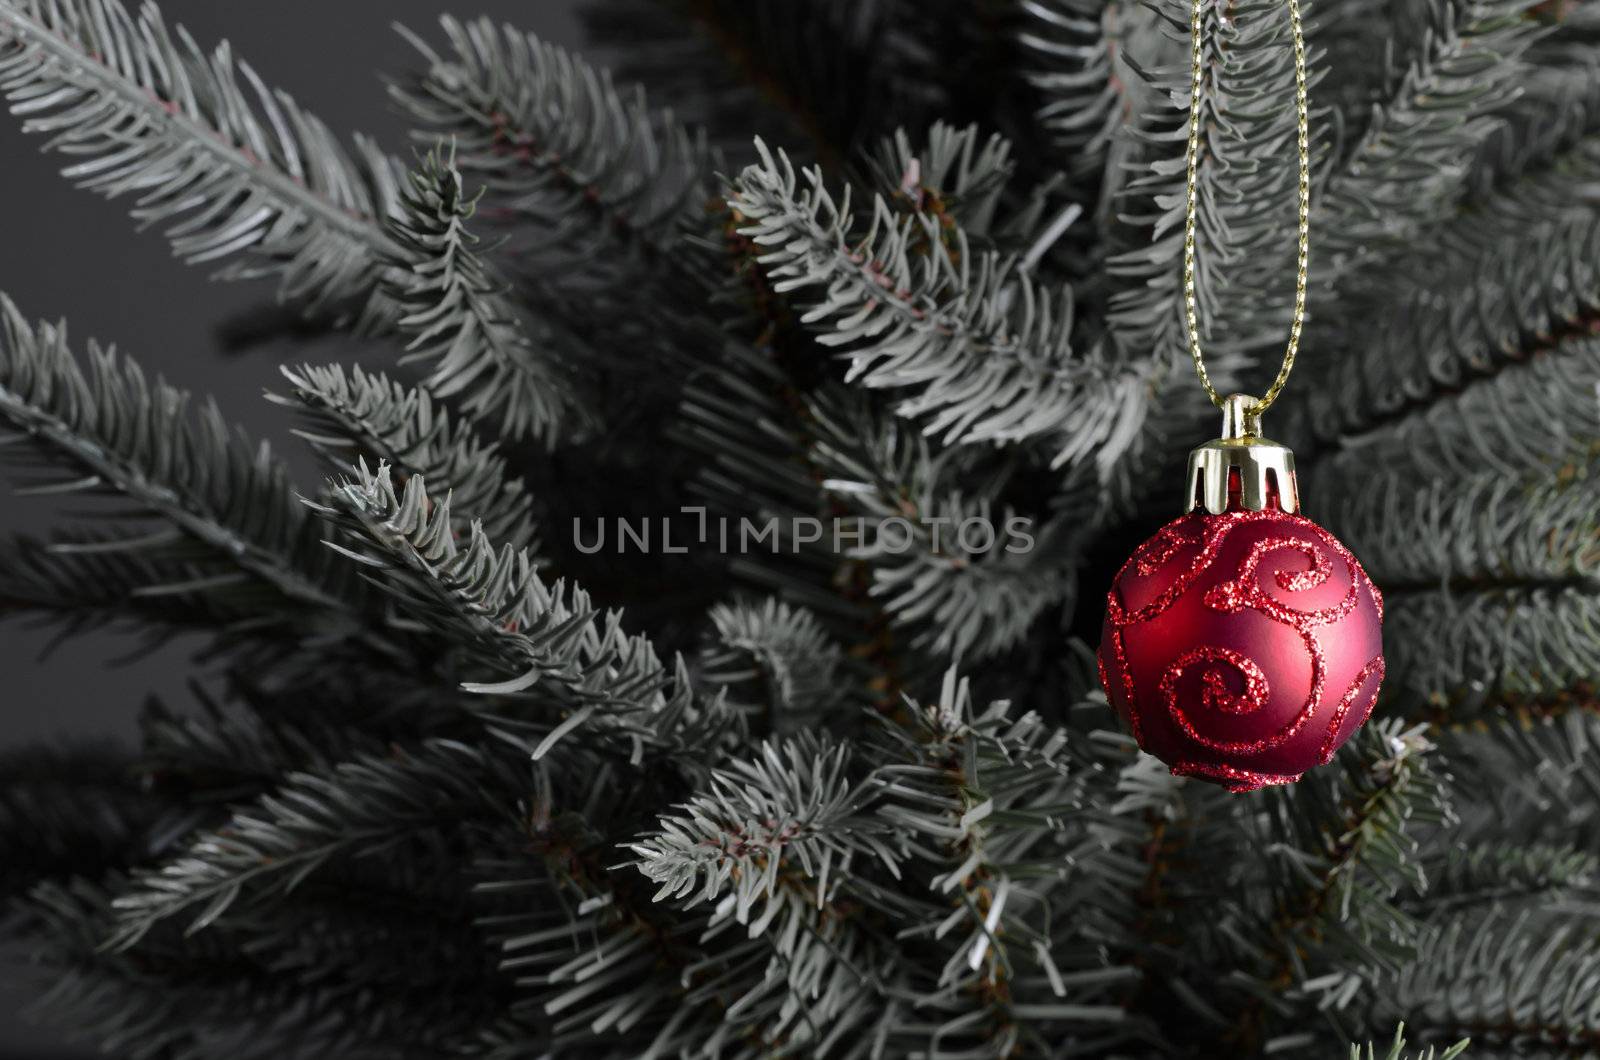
(1242, 648)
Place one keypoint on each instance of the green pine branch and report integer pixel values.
(1074, 65)
(84, 582)
(226, 752)
(1346, 843)
(591, 953)
(1557, 92)
(1245, 192)
(776, 663)
(264, 851)
(1491, 587)
(68, 813)
(1517, 646)
(748, 420)
(988, 349)
(1499, 979)
(965, 178)
(796, 810)
(187, 997)
(825, 75)
(490, 603)
(1405, 171)
(1397, 1050)
(456, 314)
(232, 168)
(1531, 773)
(427, 805)
(1506, 872)
(553, 140)
(1006, 817)
(366, 416)
(1487, 530)
(233, 517)
(600, 204)
(951, 593)
(1505, 283)
(1534, 415)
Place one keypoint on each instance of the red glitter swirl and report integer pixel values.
(1214, 531)
(1373, 668)
(1216, 697)
(1153, 554)
(1121, 658)
(1233, 778)
(1246, 590)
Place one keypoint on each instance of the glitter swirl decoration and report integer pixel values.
(1243, 648)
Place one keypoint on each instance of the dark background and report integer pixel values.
(69, 254)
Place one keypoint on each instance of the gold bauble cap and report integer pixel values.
(1264, 468)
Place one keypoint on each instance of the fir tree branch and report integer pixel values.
(775, 842)
(954, 173)
(830, 75)
(1245, 188)
(1368, 44)
(1005, 819)
(647, 984)
(1536, 414)
(1072, 48)
(1246, 160)
(676, 981)
(599, 203)
(231, 169)
(1485, 530)
(1558, 92)
(751, 423)
(552, 140)
(226, 752)
(73, 812)
(405, 931)
(191, 998)
(1517, 283)
(113, 431)
(795, 808)
(1500, 979)
(951, 597)
(963, 178)
(1407, 168)
(777, 664)
(899, 572)
(456, 314)
(483, 597)
(359, 807)
(1397, 1050)
(1346, 844)
(990, 349)
(1532, 772)
(1506, 872)
(954, 882)
(491, 604)
(1496, 646)
(366, 416)
(86, 582)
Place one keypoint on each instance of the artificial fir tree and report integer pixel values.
(459, 785)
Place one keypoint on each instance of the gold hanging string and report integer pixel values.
(1192, 312)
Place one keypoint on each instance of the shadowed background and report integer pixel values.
(67, 254)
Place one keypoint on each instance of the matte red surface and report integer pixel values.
(1242, 648)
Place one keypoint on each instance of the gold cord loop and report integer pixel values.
(1191, 308)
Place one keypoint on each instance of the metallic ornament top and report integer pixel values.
(1242, 469)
